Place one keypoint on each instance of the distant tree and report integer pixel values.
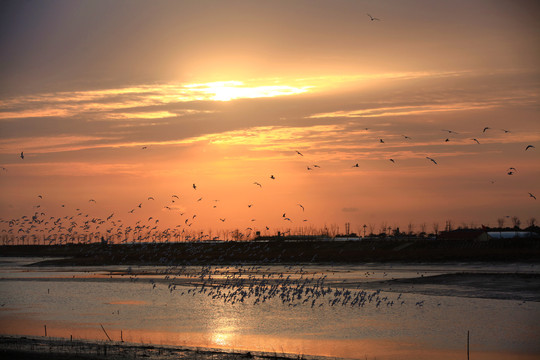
(410, 229)
(531, 222)
(500, 222)
(423, 227)
(436, 228)
(382, 229)
(516, 222)
(371, 229)
(449, 225)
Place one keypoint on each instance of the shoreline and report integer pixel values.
(42, 348)
(297, 252)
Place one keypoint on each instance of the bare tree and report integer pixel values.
(516, 222)
(382, 229)
(410, 228)
(436, 228)
(531, 222)
(500, 222)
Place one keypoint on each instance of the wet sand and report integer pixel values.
(507, 286)
(39, 348)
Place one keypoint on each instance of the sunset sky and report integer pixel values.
(119, 101)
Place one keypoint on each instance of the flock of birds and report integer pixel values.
(256, 285)
(49, 228)
(80, 226)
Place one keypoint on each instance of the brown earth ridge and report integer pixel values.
(281, 252)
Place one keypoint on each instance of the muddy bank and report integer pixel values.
(282, 252)
(511, 286)
(38, 348)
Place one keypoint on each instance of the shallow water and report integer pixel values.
(161, 305)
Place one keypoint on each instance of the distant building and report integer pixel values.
(464, 234)
(348, 237)
(511, 234)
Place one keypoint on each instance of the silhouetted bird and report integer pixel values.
(433, 160)
(381, 141)
(486, 128)
(194, 186)
(256, 183)
(373, 18)
(392, 160)
(529, 147)
(531, 195)
(22, 155)
(299, 153)
(478, 142)
(272, 177)
(301, 206)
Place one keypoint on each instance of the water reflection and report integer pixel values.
(193, 315)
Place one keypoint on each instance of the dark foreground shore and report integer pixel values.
(282, 252)
(39, 348)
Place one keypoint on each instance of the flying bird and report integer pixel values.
(309, 168)
(531, 195)
(22, 155)
(505, 131)
(392, 160)
(529, 147)
(256, 183)
(301, 207)
(486, 128)
(478, 142)
(144, 147)
(381, 141)
(406, 137)
(317, 166)
(373, 18)
(299, 153)
(39, 196)
(433, 160)
(194, 186)
(176, 196)
(92, 200)
(272, 177)
(356, 165)
(150, 198)
(449, 131)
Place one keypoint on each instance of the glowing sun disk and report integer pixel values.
(229, 90)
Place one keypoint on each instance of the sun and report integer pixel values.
(230, 90)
